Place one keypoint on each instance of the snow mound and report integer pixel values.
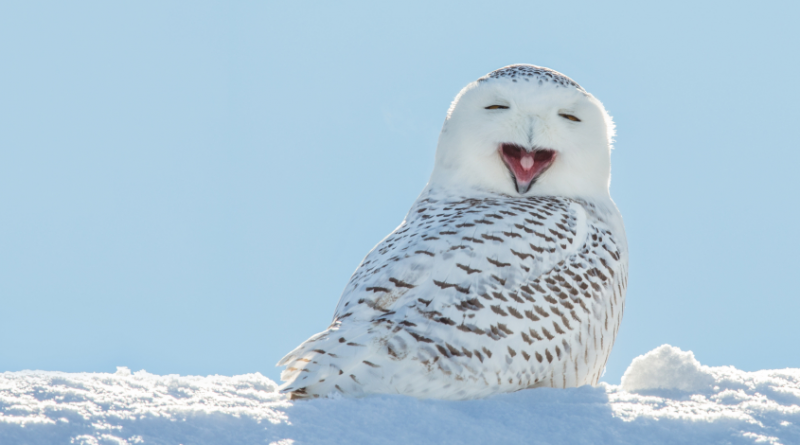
(666, 397)
(667, 367)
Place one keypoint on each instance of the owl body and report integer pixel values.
(496, 281)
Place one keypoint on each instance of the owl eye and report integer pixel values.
(569, 116)
(496, 107)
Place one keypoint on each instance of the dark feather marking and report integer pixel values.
(497, 263)
(453, 350)
(566, 322)
(540, 311)
(520, 226)
(514, 312)
(504, 328)
(445, 320)
(418, 337)
(499, 296)
(526, 338)
(468, 269)
(530, 315)
(491, 238)
(516, 298)
(399, 283)
(443, 285)
(498, 310)
(521, 255)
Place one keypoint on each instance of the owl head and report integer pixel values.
(525, 130)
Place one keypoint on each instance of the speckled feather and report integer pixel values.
(532, 72)
(471, 297)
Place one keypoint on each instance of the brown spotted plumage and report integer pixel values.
(559, 311)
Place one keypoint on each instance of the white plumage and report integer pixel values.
(508, 272)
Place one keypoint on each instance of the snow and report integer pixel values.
(666, 396)
(667, 368)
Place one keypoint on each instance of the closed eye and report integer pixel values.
(569, 116)
(496, 107)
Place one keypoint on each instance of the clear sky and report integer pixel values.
(186, 187)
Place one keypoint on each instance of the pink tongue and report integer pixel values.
(526, 162)
(523, 168)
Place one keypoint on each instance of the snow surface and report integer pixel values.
(666, 396)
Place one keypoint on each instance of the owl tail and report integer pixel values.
(333, 361)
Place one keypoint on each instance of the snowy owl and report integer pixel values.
(510, 269)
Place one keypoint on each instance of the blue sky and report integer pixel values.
(186, 187)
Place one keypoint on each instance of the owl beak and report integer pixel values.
(525, 165)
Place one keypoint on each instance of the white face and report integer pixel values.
(524, 137)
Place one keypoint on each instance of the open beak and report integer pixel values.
(525, 166)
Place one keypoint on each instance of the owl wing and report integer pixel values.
(443, 256)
